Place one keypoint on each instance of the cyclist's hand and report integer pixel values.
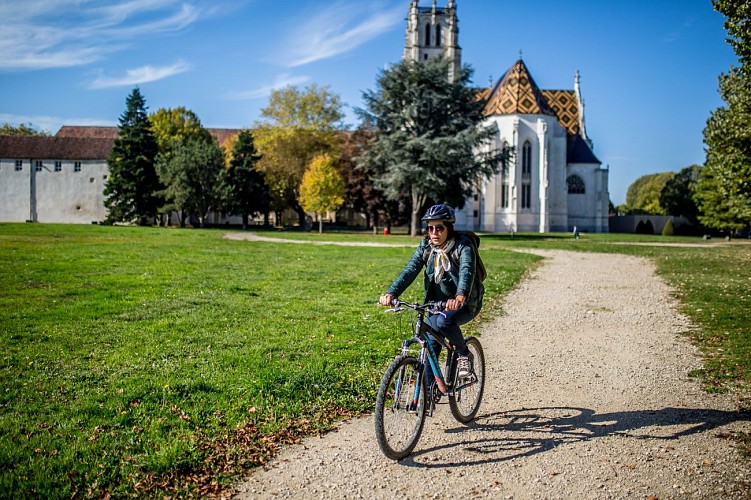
(455, 304)
(386, 299)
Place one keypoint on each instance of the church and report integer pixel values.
(554, 181)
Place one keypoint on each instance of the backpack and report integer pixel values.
(480, 272)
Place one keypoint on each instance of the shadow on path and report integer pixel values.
(526, 432)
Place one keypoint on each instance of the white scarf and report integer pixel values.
(442, 262)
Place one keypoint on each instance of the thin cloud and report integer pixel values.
(336, 30)
(137, 76)
(40, 34)
(259, 93)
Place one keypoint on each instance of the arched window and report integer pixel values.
(526, 159)
(505, 181)
(527, 175)
(428, 29)
(437, 35)
(575, 184)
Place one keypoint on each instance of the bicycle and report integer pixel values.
(405, 397)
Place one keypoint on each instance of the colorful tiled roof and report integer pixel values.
(517, 93)
(566, 108)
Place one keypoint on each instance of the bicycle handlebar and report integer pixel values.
(431, 306)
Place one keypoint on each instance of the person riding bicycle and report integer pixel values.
(445, 280)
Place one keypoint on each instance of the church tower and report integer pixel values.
(433, 32)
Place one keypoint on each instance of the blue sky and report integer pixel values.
(648, 68)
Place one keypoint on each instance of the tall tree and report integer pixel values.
(296, 126)
(677, 197)
(172, 127)
(723, 193)
(322, 188)
(194, 177)
(133, 188)
(248, 193)
(429, 140)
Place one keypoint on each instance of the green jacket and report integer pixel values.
(459, 280)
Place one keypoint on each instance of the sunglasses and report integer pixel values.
(437, 228)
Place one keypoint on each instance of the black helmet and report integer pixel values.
(440, 212)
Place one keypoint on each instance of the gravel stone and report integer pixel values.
(587, 396)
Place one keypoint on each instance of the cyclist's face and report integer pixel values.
(437, 232)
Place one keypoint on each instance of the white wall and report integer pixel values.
(66, 196)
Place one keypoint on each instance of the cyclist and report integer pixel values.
(445, 280)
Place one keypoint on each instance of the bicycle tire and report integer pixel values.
(465, 401)
(399, 418)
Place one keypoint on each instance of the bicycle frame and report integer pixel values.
(428, 356)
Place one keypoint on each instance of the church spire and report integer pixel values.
(580, 105)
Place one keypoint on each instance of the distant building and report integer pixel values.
(60, 178)
(554, 181)
(54, 179)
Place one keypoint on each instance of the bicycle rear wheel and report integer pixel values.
(465, 399)
(400, 408)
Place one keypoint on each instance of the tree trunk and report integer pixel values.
(320, 224)
(418, 200)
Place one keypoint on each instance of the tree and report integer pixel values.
(723, 193)
(248, 192)
(360, 193)
(194, 177)
(643, 195)
(172, 127)
(133, 188)
(677, 197)
(296, 126)
(6, 129)
(322, 188)
(429, 141)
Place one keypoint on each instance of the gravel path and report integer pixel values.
(587, 396)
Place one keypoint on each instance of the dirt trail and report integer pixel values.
(587, 396)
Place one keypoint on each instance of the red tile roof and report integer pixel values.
(55, 148)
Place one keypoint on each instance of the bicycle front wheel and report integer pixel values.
(465, 399)
(400, 408)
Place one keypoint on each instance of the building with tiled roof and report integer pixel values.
(60, 178)
(554, 181)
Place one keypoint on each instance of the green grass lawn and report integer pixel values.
(144, 361)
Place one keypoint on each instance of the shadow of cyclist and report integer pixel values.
(526, 432)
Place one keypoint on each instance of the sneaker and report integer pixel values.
(463, 367)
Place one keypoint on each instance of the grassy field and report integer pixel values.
(150, 361)
(161, 361)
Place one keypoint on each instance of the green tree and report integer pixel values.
(24, 130)
(677, 197)
(296, 126)
(172, 127)
(248, 193)
(429, 140)
(194, 176)
(643, 195)
(133, 188)
(723, 193)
